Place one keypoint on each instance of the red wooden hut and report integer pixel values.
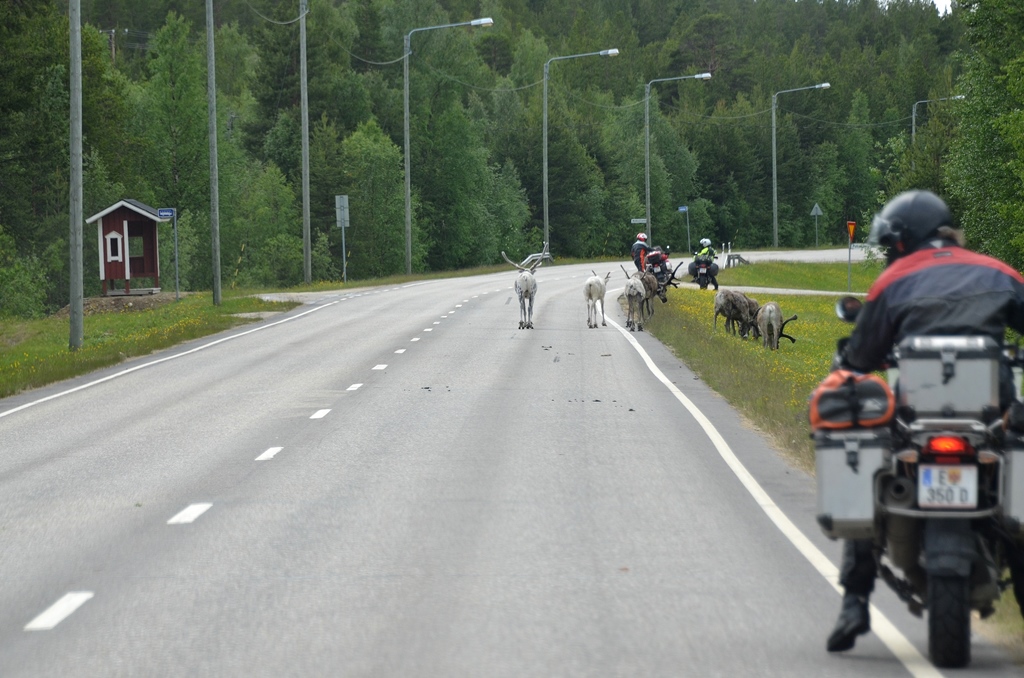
(128, 247)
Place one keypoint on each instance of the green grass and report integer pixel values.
(35, 353)
(825, 277)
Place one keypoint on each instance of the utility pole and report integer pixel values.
(75, 208)
(211, 97)
(307, 250)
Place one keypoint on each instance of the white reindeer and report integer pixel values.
(526, 289)
(635, 294)
(772, 326)
(593, 292)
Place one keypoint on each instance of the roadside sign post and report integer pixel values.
(686, 208)
(851, 226)
(341, 213)
(816, 212)
(163, 213)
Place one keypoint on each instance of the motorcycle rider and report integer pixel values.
(639, 251)
(932, 285)
(706, 253)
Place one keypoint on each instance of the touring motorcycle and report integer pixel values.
(929, 468)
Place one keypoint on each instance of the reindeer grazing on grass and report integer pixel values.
(593, 292)
(772, 326)
(739, 311)
(526, 289)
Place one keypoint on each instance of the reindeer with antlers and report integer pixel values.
(526, 289)
(771, 325)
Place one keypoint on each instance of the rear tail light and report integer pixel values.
(948, 449)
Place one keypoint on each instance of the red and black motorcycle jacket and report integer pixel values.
(939, 289)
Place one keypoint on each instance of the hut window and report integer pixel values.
(114, 252)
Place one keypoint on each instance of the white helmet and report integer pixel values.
(704, 242)
(642, 237)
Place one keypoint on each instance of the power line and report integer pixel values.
(279, 23)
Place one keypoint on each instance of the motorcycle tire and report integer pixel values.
(949, 621)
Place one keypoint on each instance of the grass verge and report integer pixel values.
(35, 353)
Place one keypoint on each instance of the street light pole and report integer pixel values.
(547, 65)
(405, 127)
(913, 114)
(775, 175)
(647, 144)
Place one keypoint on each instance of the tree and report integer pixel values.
(374, 184)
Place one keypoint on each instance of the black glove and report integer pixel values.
(839, 358)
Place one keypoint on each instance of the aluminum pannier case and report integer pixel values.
(949, 377)
(847, 462)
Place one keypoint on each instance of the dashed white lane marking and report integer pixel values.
(319, 414)
(428, 329)
(437, 322)
(464, 301)
(415, 339)
(887, 632)
(458, 306)
(401, 350)
(380, 367)
(269, 454)
(189, 514)
(59, 611)
(444, 316)
(354, 387)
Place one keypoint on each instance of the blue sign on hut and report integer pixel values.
(128, 246)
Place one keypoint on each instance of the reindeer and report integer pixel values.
(526, 289)
(593, 292)
(651, 288)
(734, 308)
(635, 294)
(772, 326)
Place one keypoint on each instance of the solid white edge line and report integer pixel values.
(886, 631)
(189, 514)
(269, 454)
(319, 414)
(59, 611)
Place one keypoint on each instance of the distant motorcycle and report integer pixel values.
(703, 277)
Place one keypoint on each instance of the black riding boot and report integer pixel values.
(857, 577)
(714, 281)
(854, 620)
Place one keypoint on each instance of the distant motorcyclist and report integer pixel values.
(639, 251)
(932, 285)
(705, 254)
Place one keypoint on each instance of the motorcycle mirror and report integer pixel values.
(848, 308)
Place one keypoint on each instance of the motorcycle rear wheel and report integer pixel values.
(949, 621)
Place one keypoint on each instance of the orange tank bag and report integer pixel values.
(847, 399)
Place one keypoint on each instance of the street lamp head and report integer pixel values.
(487, 21)
(609, 52)
(703, 76)
(823, 85)
(958, 96)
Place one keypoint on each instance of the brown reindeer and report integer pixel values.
(771, 325)
(739, 312)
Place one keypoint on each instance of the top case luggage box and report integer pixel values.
(956, 377)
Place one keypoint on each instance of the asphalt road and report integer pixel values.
(398, 482)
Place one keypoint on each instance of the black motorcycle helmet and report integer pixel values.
(909, 220)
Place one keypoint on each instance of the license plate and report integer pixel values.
(703, 269)
(941, 486)
(657, 269)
